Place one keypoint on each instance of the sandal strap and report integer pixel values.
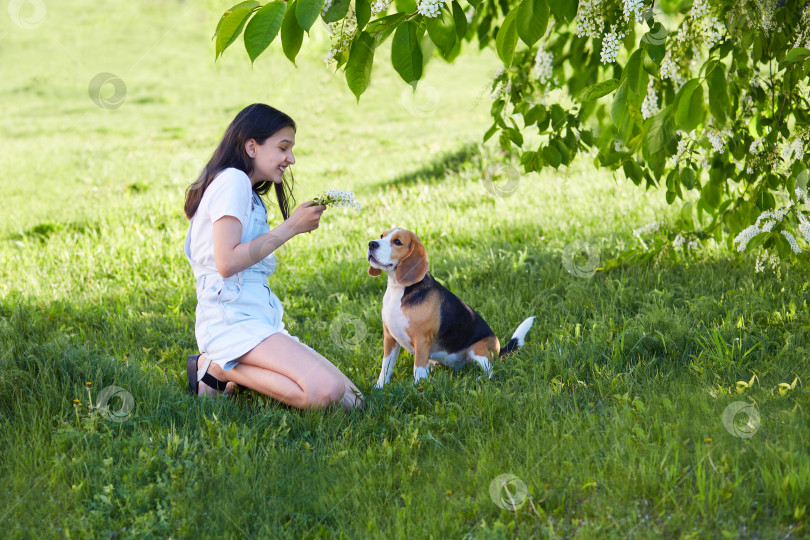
(213, 382)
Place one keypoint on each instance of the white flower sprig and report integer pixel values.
(334, 197)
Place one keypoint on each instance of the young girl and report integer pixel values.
(230, 248)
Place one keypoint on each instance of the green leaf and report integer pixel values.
(795, 55)
(362, 11)
(532, 20)
(336, 11)
(558, 116)
(563, 10)
(307, 12)
(442, 30)
(358, 68)
(507, 37)
(634, 73)
(595, 91)
(660, 130)
(565, 155)
(249, 4)
(405, 6)
(689, 110)
(263, 28)
(710, 195)
(688, 178)
(552, 156)
(380, 29)
(292, 35)
(619, 107)
(718, 92)
(460, 19)
(230, 28)
(406, 55)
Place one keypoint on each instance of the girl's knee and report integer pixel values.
(326, 393)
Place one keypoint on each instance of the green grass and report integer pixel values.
(612, 415)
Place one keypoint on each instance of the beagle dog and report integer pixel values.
(422, 316)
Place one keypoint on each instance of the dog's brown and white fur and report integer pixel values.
(425, 318)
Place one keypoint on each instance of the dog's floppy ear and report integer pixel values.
(413, 267)
(374, 271)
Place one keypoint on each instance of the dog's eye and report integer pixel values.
(397, 242)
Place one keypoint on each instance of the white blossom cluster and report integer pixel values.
(590, 18)
(793, 151)
(683, 148)
(610, 45)
(502, 89)
(755, 146)
(766, 9)
(543, 66)
(380, 6)
(745, 236)
(713, 31)
(429, 8)
(718, 139)
(685, 53)
(804, 223)
(679, 241)
(326, 5)
(766, 257)
(803, 29)
(770, 218)
(334, 197)
(646, 229)
(342, 33)
(791, 240)
(633, 9)
(650, 105)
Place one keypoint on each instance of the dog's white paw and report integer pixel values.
(420, 373)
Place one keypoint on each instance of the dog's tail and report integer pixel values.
(518, 337)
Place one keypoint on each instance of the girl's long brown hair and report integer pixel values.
(257, 121)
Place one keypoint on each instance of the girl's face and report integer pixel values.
(273, 157)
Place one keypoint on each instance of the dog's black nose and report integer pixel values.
(373, 245)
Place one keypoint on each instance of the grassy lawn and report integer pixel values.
(610, 421)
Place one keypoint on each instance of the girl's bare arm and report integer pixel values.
(232, 256)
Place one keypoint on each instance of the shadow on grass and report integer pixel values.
(631, 331)
(437, 170)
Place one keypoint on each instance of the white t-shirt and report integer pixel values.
(229, 194)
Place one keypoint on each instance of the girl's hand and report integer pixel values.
(306, 217)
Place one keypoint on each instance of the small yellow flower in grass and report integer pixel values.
(448, 492)
(334, 197)
(87, 386)
(76, 410)
(707, 440)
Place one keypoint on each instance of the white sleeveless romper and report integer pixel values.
(236, 313)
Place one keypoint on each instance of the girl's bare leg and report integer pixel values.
(286, 370)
